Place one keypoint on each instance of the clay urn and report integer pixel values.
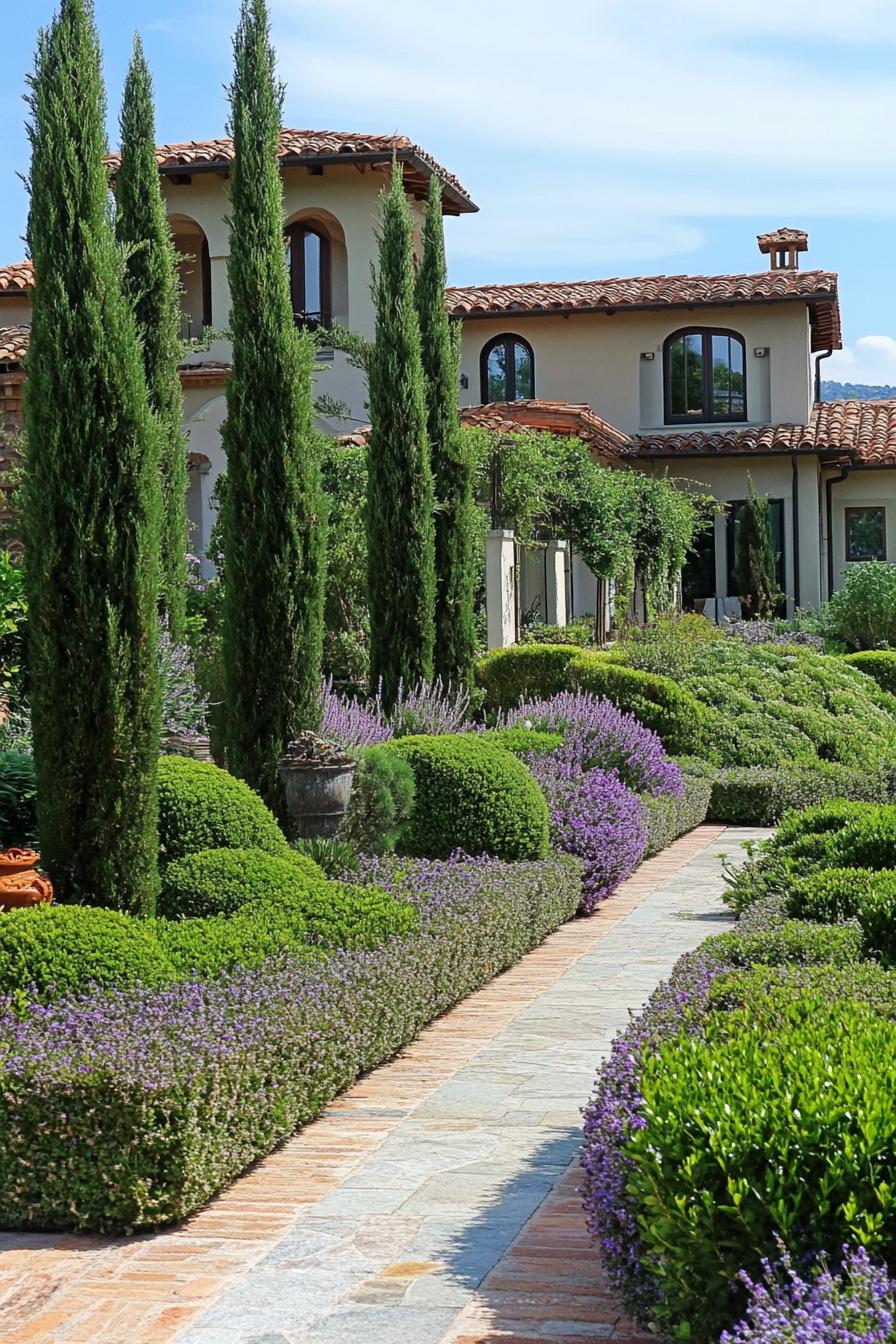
(20, 884)
(17, 861)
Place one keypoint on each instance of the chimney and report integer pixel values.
(783, 247)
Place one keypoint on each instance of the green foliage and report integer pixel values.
(755, 559)
(860, 894)
(18, 800)
(65, 949)
(452, 466)
(220, 881)
(522, 741)
(381, 803)
(90, 501)
(788, 705)
(755, 795)
(202, 807)
(668, 816)
(793, 942)
(471, 796)
(862, 614)
(151, 283)
(208, 946)
(877, 663)
(578, 631)
(667, 646)
(746, 1138)
(13, 623)
(273, 508)
(671, 711)
(335, 857)
(347, 637)
(530, 671)
(400, 501)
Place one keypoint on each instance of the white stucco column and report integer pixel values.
(555, 583)
(500, 588)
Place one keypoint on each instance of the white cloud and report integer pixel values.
(872, 359)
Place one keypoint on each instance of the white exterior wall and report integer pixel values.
(596, 358)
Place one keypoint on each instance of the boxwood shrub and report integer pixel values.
(474, 796)
(741, 1143)
(219, 881)
(861, 894)
(522, 742)
(525, 672)
(760, 795)
(131, 1109)
(203, 807)
(877, 663)
(683, 724)
(671, 815)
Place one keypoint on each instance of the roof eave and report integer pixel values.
(611, 309)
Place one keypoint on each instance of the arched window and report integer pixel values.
(308, 257)
(704, 370)
(507, 369)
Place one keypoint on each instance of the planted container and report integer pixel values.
(317, 782)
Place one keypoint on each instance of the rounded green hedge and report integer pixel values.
(746, 1138)
(877, 663)
(220, 881)
(473, 796)
(203, 807)
(65, 949)
(755, 795)
(523, 741)
(684, 725)
(525, 672)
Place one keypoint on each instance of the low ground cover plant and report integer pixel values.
(183, 1086)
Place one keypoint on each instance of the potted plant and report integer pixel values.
(317, 781)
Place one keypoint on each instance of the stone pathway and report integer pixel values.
(435, 1203)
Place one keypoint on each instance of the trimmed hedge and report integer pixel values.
(220, 881)
(472, 796)
(760, 795)
(522, 742)
(203, 807)
(65, 949)
(861, 894)
(721, 1166)
(670, 815)
(524, 672)
(877, 663)
(178, 1090)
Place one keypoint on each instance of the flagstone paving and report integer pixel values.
(436, 1202)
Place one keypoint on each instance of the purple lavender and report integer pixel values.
(430, 707)
(611, 740)
(349, 722)
(593, 815)
(855, 1306)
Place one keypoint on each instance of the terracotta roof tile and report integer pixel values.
(320, 147)
(16, 278)
(818, 288)
(558, 417)
(865, 430)
(14, 344)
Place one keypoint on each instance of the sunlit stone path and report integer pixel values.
(436, 1202)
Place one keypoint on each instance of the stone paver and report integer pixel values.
(436, 1201)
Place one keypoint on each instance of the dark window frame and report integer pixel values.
(295, 236)
(864, 508)
(205, 268)
(507, 338)
(779, 525)
(708, 417)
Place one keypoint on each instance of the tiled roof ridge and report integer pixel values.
(17, 277)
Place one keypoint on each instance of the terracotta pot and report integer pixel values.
(17, 861)
(20, 890)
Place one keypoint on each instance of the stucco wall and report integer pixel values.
(862, 488)
(596, 358)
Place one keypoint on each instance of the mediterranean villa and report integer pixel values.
(711, 378)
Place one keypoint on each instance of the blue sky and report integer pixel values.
(599, 137)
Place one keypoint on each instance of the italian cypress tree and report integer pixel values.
(455, 637)
(400, 527)
(91, 502)
(152, 284)
(755, 558)
(273, 513)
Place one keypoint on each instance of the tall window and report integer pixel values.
(308, 258)
(507, 370)
(866, 534)
(705, 376)
(732, 523)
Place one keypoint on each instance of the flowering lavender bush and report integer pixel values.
(856, 1306)
(593, 815)
(130, 1109)
(184, 707)
(430, 708)
(773, 632)
(610, 739)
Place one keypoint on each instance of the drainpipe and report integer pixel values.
(795, 527)
(825, 354)
(829, 510)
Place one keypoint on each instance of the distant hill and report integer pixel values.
(831, 391)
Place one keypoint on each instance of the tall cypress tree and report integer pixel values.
(152, 283)
(755, 557)
(400, 527)
(90, 502)
(455, 636)
(274, 524)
